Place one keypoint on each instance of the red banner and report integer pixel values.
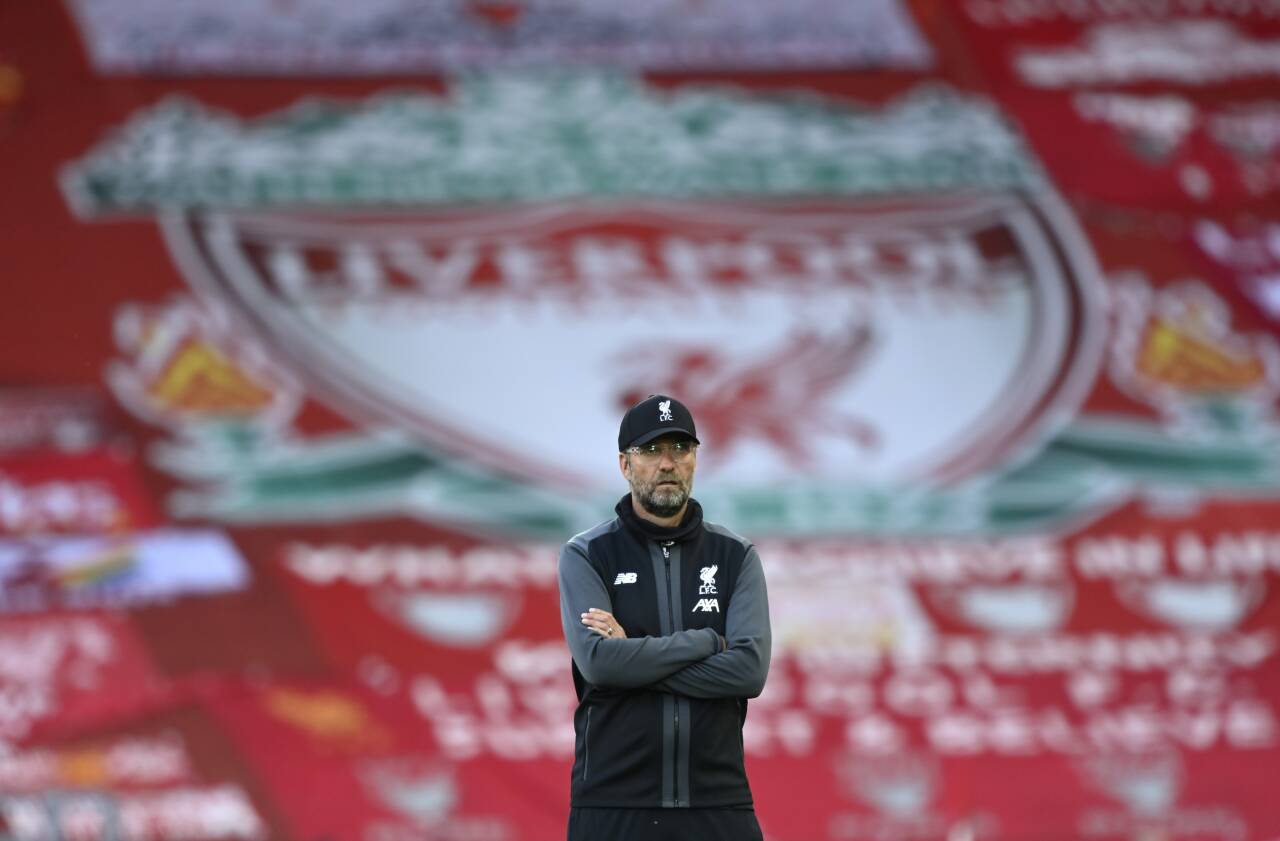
(309, 380)
(73, 493)
(1068, 45)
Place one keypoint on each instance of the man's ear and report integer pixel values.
(625, 466)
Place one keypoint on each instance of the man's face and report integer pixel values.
(661, 483)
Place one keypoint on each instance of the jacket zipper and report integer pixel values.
(586, 746)
(671, 617)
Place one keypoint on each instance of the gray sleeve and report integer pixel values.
(619, 663)
(740, 671)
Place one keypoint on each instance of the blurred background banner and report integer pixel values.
(409, 36)
(319, 320)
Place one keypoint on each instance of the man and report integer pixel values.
(667, 619)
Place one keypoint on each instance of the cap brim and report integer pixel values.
(658, 433)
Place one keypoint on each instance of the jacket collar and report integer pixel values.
(686, 529)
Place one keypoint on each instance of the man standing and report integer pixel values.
(667, 620)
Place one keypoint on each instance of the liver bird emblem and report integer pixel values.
(708, 576)
(779, 395)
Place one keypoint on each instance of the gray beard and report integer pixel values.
(661, 503)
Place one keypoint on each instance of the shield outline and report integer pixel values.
(1058, 249)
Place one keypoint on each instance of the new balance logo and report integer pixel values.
(707, 606)
(625, 578)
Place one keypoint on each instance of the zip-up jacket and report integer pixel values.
(660, 713)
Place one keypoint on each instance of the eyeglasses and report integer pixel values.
(678, 450)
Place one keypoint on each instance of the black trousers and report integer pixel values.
(664, 825)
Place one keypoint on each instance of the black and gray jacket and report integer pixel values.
(660, 713)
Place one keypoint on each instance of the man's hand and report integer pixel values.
(603, 623)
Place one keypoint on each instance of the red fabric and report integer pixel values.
(1106, 674)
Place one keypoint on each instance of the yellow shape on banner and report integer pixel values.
(330, 717)
(1184, 356)
(200, 378)
(86, 768)
(10, 85)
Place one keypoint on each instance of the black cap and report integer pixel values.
(655, 415)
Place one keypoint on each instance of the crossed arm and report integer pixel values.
(697, 663)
